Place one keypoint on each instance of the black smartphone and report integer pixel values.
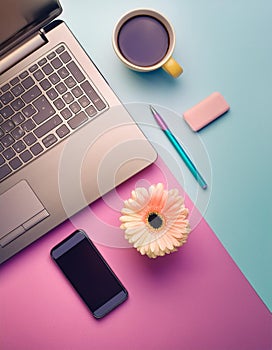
(89, 273)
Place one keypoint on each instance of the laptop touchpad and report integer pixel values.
(20, 210)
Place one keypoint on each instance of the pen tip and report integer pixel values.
(152, 109)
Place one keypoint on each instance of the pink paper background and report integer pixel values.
(194, 299)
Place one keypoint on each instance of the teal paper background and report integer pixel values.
(223, 46)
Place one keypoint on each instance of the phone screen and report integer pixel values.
(89, 273)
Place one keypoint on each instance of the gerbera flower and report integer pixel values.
(155, 220)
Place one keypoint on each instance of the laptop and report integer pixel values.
(65, 138)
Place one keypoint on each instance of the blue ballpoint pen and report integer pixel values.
(178, 148)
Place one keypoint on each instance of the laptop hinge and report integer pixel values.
(22, 51)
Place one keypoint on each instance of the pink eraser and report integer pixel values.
(206, 111)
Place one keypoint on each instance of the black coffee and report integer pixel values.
(143, 40)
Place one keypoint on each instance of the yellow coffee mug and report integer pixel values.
(144, 41)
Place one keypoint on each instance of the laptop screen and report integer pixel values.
(20, 18)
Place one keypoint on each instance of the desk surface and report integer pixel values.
(223, 46)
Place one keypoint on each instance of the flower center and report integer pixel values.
(155, 220)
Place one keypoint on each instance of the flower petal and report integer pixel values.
(141, 195)
(156, 194)
(133, 230)
(126, 218)
(127, 211)
(132, 224)
(136, 236)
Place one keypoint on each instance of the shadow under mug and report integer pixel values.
(144, 40)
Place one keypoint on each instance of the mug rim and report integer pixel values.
(141, 12)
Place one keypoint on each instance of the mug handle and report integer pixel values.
(172, 67)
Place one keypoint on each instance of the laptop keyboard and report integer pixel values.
(43, 105)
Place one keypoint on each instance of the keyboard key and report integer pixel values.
(76, 72)
(59, 104)
(77, 91)
(19, 146)
(61, 88)
(18, 118)
(7, 125)
(31, 94)
(4, 171)
(48, 126)
(17, 104)
(47, 69)
(65, 57)
(28, 125)
(26, 156)
(51, 55)
(99, 104)
(68, 97)
(28, 82)
(15, 163)
(49, 140)
(42, 61)
(38, 75)
(60, 49)
(6, 98)
(14, 81)
(54, 78)
(5, 87)
(45, 84)
(91, 111)
(9, 153)
(56, 63)
(29, 139)
(66, 113)
(63, 72)
(84, 101)
(70, 82)
(2, 160)
(29, 111)
(6, 112)
(44, 108)
(23, 74)
(7, 140)
(75, 107)
(52, 94)
(18, 133)
(33, 68)
(62, 131)
(91, 93)
(77, 120)
(36, 149)
(17, 90)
